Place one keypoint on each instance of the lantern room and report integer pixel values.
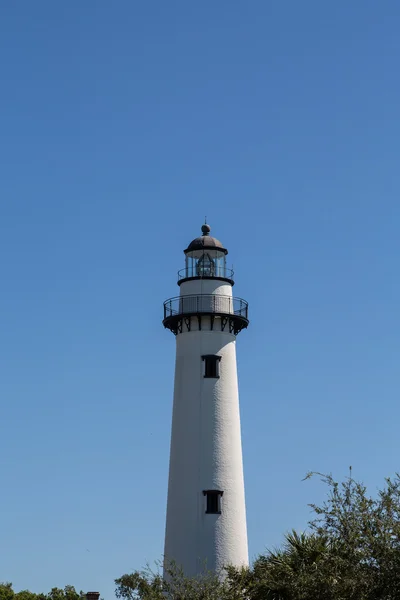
(205, 259)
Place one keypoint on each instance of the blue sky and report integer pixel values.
(122, 125)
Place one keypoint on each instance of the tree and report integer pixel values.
(6, 591)
(292, 572)
(68, 593)
(351, 551)
(365, 532)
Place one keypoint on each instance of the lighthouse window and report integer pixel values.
(211, 365)
(213, 501)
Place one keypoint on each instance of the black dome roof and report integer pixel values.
(205, 242)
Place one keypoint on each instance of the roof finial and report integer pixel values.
(205, 228)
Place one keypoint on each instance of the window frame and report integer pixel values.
(213, 496)
(211, 364)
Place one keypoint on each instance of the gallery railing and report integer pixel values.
(205, 303)
(194, 271)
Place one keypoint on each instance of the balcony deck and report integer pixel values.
(231, 312)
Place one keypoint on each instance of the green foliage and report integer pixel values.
(68, 593)
(27, 595)
(147, 585)
(351, 552)
(6, 591)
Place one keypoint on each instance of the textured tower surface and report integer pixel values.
(206, 449)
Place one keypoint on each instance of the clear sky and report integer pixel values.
(122, 124)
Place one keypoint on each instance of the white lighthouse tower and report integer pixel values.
(206, 514)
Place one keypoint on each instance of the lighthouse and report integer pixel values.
(206, 514)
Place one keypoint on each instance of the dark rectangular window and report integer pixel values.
(211, 365)
(213, 501)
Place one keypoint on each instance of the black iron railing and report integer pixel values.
(205, 303)
(193, 271)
